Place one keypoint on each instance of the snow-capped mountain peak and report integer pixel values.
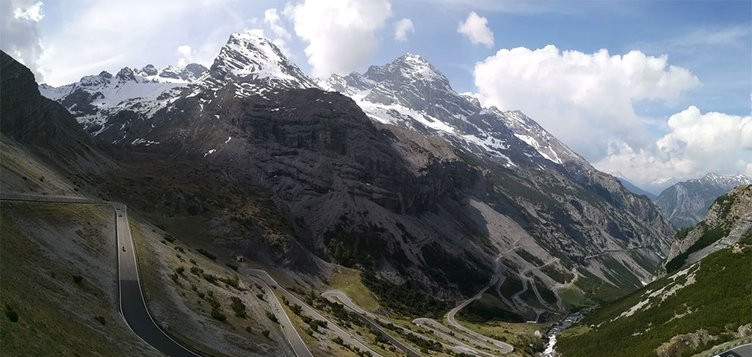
(126, 74)
(416, 68)
(248, 64)
(409, 70)
(409, 91)
(95, 98)
(725, 181)
(150, 70)
(250, 56)
(686, 203)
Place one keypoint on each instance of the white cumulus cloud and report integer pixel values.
(281, 35)
(585, 99)
(340, 34)
(187, 55)
(695, 144)
(271, 18)
(19, 33)
(402, 28)
(31, 13)
(96, 36)
(475, 28)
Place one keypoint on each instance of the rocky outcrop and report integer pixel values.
(686, 342)
(728, 219)
(42, 125)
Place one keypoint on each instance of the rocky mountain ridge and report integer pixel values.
(685, 203)
(405, 178)
(96, 98)
(729, 219)
(411, 92)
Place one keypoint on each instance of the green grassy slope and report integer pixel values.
(719, 301)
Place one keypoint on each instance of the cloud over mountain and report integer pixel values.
(570, 90)
(346, 40)
(697, 143)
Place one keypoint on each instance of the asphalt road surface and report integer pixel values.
(738, 351)
(132, 304)
(291, 334)
(503, 346)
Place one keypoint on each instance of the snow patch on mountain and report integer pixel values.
(93, 99)
(653, 298)
(410, 92)
(724, 181)
(533, 134)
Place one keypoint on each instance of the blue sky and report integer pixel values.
(635, 126)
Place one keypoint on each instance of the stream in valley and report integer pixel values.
(570, 320)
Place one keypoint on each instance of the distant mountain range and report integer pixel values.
(389, 171)
(685, 203)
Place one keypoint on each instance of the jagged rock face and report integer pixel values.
(250, 57)
(406, 177)
(686, 203)
(45, 127)
(411, 92)
(544, 183)
(728, 219)
(150, 70)
(684, 342)
(193, 71)
(139, 92)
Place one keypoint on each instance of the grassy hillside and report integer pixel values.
(350, 281)
(58, 276)
(711, 295)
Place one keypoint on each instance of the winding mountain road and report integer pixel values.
(434, 327)
(450, 317)
(132, 303)
(445, 333)
(131, 299)
(348, 338)
(136, 314)
(342, 298)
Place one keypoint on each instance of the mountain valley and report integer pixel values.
(277, 214)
